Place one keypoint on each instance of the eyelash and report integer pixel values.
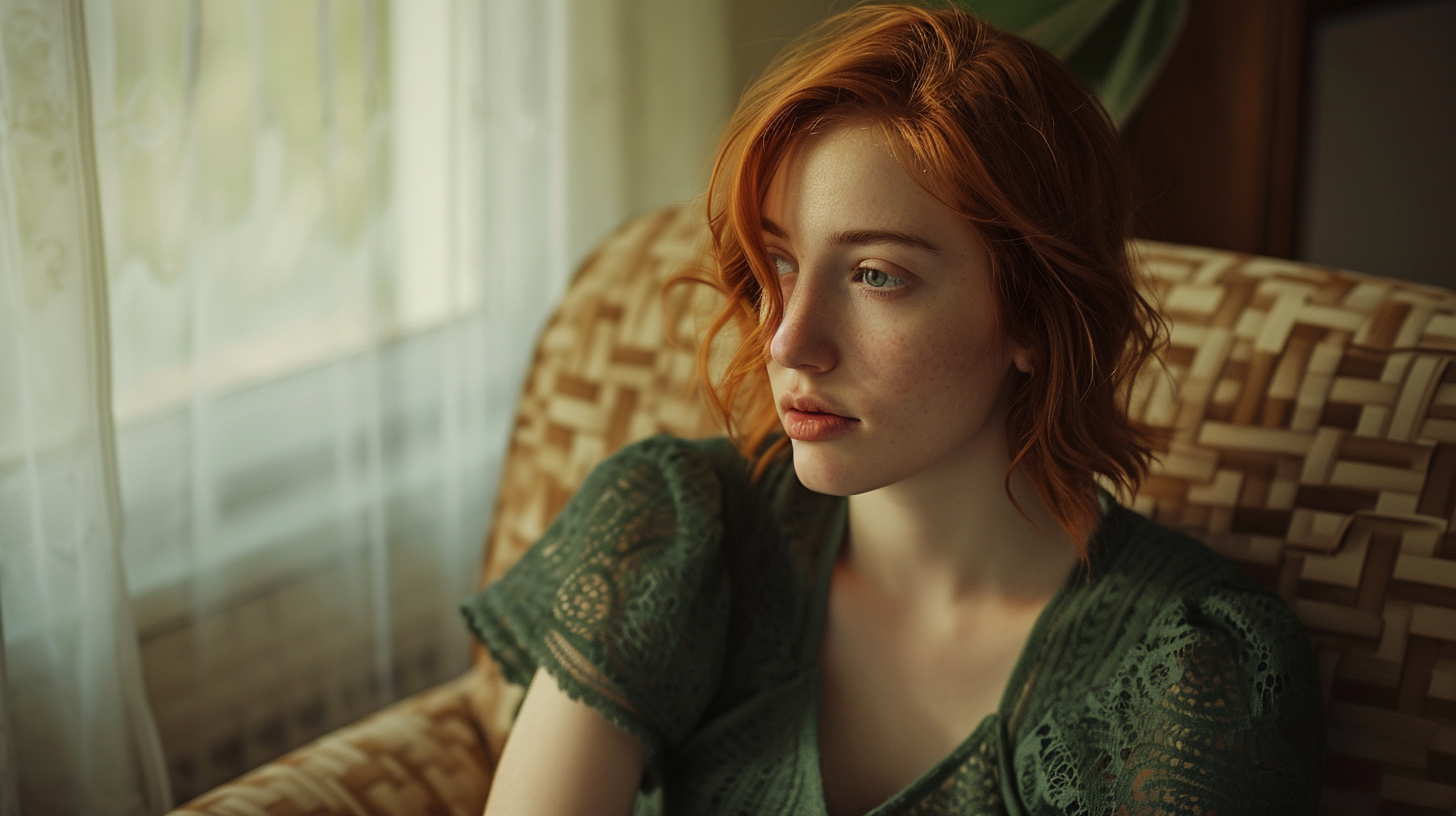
(859, 274)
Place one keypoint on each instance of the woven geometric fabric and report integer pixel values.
(1313, 417)
(608, 371)
(424, 755)
(1312, 414)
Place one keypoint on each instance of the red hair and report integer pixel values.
(1006, 136)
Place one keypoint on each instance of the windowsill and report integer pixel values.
(277, 354)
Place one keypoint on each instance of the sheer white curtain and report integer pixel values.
(78, 736)
(327, 233)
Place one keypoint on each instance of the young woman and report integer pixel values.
(899, 588)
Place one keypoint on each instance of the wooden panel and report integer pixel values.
(1216, 141)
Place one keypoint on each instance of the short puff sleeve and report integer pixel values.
(624, 600)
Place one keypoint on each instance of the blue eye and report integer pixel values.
(878, 279)
(783, 266)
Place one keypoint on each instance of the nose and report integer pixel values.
(804, 337)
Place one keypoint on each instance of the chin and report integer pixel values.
(824, 469)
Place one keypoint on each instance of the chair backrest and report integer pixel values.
(1314, 443)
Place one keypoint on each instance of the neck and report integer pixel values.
(951, 533)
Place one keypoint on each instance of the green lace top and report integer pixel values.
(687, 605)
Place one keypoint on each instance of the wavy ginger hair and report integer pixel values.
(1000, 131)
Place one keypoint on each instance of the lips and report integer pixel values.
(811, 419)
(810, 404)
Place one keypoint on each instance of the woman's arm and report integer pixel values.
(563, 757)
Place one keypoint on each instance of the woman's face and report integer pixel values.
(889, 322)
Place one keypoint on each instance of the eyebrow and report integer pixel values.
(859, 237)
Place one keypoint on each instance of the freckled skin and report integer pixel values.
(940, 578)
(924, 370)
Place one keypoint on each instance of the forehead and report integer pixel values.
(847, 177)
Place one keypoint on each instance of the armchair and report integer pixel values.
(1314, 417)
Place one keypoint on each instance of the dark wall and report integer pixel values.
(1379, 186)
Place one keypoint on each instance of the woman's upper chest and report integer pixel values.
(905, 682)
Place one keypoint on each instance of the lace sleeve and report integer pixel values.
(1216, 712)
(624, 599)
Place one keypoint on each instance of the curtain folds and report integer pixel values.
(262, 330)
(80, 737)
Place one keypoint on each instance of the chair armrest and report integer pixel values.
(424, 754)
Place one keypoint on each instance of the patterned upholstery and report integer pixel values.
(1314, 442)
(424, 755)
(608, 372)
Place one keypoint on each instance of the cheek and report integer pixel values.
(944, 371)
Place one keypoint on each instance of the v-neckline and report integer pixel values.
(1035, 640)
